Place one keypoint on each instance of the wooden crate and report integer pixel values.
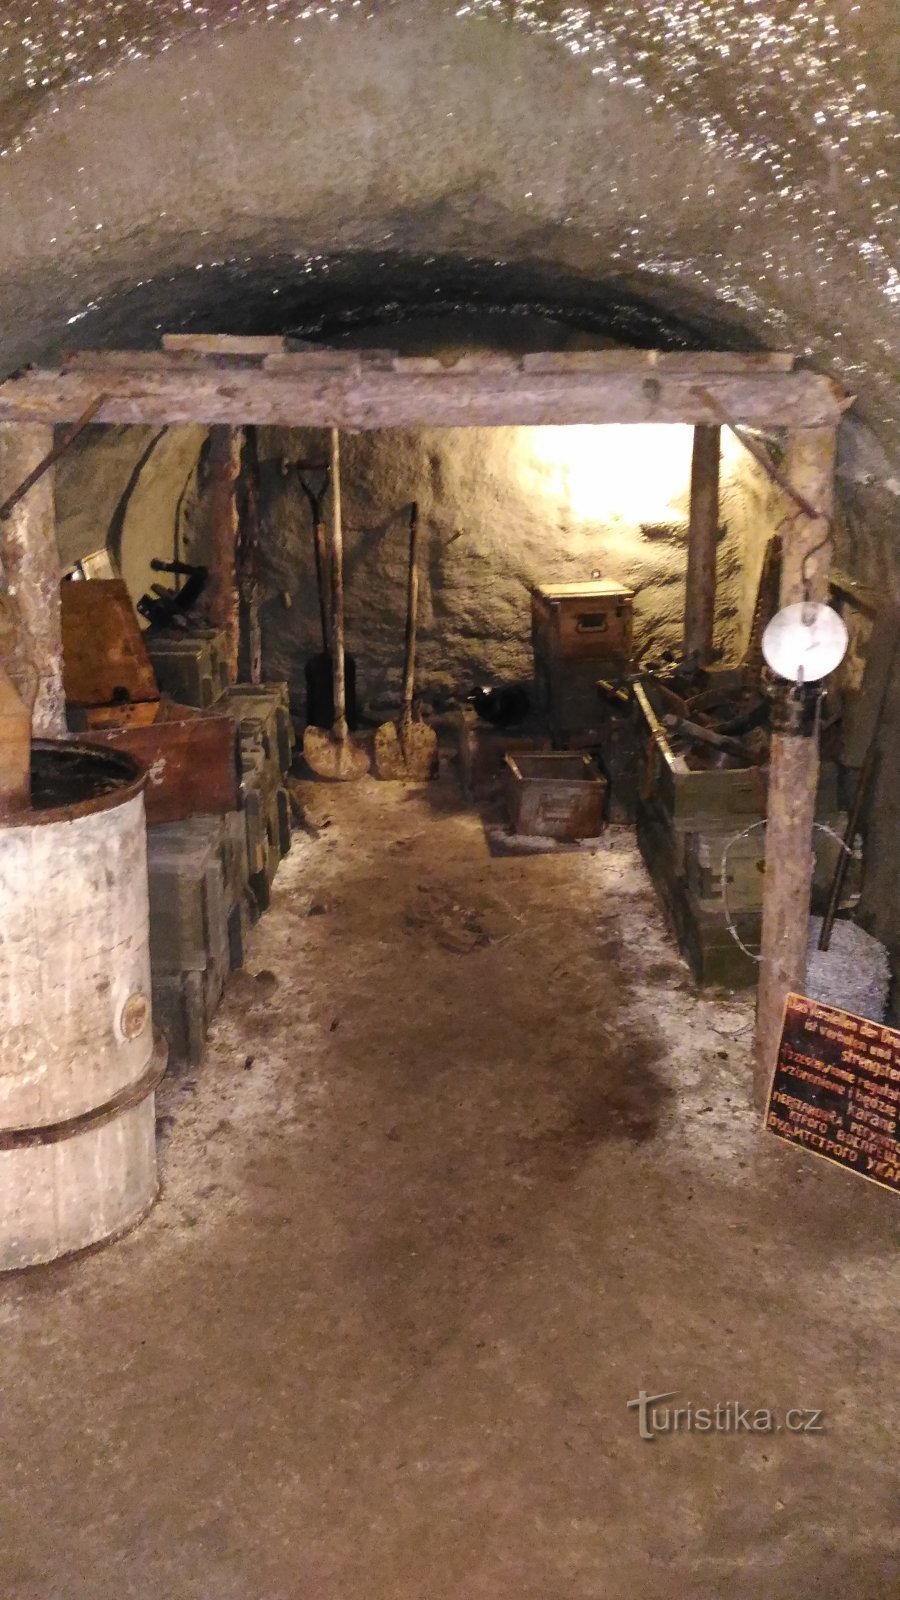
(190, 666)
(188, 910)
(192, 765)
(262, 714)
(554, 795)
(565, 695)
(682, 794)
(700, 926)
(582, 621)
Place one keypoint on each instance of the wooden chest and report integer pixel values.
(554, 795)
(582, 621)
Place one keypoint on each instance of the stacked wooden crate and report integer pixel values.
(266, 736)
(687, 823)
(210, 877)
(580, 632)
(195, 888)
(190, 665)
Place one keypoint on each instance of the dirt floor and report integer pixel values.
(468, 1166)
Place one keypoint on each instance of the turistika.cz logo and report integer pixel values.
(656, 1416)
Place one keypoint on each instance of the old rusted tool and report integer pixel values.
(700, 735)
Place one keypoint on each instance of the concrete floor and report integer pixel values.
(468, 1166)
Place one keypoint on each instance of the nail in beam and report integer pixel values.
(223, 600)
(703, 529)
(30, 572)
(793, 764)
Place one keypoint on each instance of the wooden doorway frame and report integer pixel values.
(229, 382)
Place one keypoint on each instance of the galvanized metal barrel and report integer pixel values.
(78, 1061)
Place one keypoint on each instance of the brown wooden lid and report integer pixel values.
(595, 589)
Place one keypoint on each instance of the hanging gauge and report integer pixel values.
(805, 642)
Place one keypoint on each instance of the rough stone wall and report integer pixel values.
(500, 510)
(135, 491)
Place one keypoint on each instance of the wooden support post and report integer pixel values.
(30, 567)
(794, 762)
(248, 556)
(223, 599)
(703, 531)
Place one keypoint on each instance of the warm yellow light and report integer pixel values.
(635, 473)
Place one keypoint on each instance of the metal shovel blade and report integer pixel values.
(329, 757)
(406, 754)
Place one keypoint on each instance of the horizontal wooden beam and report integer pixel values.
(222, 344)
(377, 389)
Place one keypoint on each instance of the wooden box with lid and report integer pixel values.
(582, 621)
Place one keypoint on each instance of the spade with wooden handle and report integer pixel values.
(406, 751)
(335, 755)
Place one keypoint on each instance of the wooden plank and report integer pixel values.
(692, 361)
(295, 392)
(222, 599)
(15, 749)
(793, 763)
(173, 361)
(29, 564)
(703, 533)
(103, 648)
(224, 344)
(191, 765)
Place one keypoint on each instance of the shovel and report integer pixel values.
(334, 755)
(313, 477)
(406, 751)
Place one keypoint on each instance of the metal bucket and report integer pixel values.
(78, 1061)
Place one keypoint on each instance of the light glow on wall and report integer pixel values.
(634, 473)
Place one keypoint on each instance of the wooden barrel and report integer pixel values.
(78, 1060)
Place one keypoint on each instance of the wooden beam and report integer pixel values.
(222, 596)
(350, 390)
(30, 568)
(223, 344)
(703, 534)
(794, 763)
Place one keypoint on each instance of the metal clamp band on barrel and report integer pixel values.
(131, 1095)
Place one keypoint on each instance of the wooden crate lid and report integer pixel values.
(594, 589)
(103, 648)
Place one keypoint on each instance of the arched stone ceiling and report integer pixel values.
(663, 171)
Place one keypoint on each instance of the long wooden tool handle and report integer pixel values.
(321, 552)
(412, 606)
(843, 861)
(337, 593)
